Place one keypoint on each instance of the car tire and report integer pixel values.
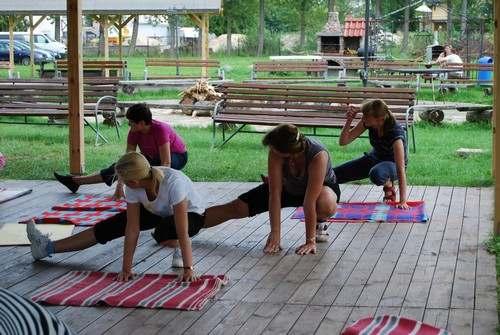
(25, 61)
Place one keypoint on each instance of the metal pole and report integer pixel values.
(365, 53)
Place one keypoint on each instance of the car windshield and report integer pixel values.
(49, 38)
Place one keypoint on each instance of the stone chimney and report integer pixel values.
(330, 40)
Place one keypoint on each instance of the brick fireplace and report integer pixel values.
(331, 40)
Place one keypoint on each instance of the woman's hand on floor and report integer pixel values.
(188, 276)
(119, 193)
(125, 276)
(403, 205)
(272, 244)
(308, 248)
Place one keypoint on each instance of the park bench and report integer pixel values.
(94, 68)
(49, 97)
(305, 106)
(470, 75)
(164, 68)
(290, 70)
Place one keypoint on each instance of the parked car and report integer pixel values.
(41, 41)
(22, 55)
(49, 54)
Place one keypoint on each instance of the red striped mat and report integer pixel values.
(392, 325)
(86, 288)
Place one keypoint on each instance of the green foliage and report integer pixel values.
(21, 23)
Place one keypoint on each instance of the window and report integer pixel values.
(40, 39)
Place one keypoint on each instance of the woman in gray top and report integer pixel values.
(300, 174)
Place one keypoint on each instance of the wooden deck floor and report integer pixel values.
(438, 272)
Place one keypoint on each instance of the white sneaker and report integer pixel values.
(177, 259)
(38, 241)
(321, 233)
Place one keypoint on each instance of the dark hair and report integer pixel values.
(377, 108)
(285, 138)
(139, 112)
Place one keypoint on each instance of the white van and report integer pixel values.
(41, 41)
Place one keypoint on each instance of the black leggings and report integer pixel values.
(164, 227)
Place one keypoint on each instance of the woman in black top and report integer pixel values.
(387, 161)
(300, 174)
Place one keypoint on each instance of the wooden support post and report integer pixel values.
(32, 48)
(12, 22)
(32, 44)
(496, 118)
(204, 44)
(203, 24)
(75, 87)
(120, 25)
(105, 25)
(120, 37)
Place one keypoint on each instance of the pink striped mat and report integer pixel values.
(392, 325)
(86, 288)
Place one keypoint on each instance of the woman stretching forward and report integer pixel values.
(300, 174)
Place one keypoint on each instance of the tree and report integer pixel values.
(406, 25)
(260, 47)
(133, 39)
(378, 9)
(229, 36)
(449, 21)
(331, 5)
(463, 19)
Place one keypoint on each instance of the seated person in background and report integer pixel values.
(449, 57)
(156, 140)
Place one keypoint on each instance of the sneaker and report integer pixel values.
(177, 259)
(321, 233)
(67, 181)
(38, 241)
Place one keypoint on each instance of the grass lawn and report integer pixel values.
(33, 152)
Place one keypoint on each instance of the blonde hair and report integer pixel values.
(134, 166)
(378, 108)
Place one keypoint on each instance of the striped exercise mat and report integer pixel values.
(86, 288)
(392, 325)
(374, 212)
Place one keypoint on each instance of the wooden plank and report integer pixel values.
(460, 321)
(485, 281)
(284, 320)
(418, 290)
(442, 281)
(465, 271)
(235, 319)
(260, 319)
(309, 321)
(485, 322)
(397, 286)
(334, 321)
(436, 317)
(496, 122)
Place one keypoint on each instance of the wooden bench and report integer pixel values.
(170, 64)
(470, 75)
(290, 70)
(378, 70)
(49, 97)
(96, 68)
(304, 106)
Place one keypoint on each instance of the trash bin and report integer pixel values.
(485, 75)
